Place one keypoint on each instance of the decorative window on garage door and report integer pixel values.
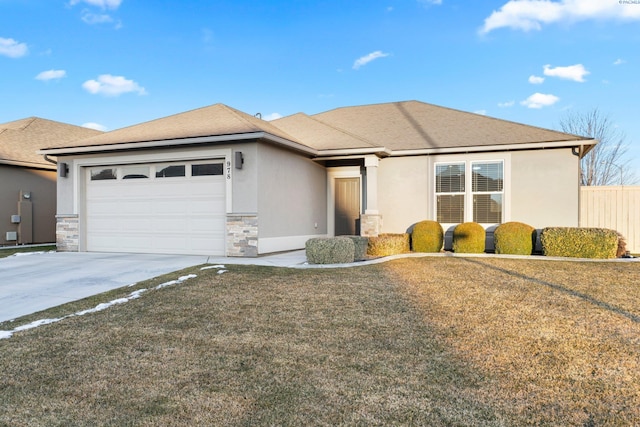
(101, 174)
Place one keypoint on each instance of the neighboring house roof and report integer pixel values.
(21, 139)
(219, 120)
(398, 128)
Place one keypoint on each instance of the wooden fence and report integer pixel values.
(614, 207)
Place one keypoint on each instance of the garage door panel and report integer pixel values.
(184, 215)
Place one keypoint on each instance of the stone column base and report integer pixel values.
(67, 233)
(242, 235)
(370, 225)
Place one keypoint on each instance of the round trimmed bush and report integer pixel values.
(427, 236)
(514, 238)
(468, 238)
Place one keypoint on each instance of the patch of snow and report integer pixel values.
(28, 253)
(222, 271)
(174, 282)
(97, 308)
(209, 267)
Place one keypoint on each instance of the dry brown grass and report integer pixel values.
(429, 341)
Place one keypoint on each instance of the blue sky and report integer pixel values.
(114, 63)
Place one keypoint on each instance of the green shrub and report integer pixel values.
(514, 238)
(427, 236)
(360, 247)
(388, 244)
(468, 238)
(330, 250)
(579, 242)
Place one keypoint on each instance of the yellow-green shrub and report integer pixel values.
(579, 242)
(468, 238)
(514, 238)
(388, 244)
(427, 236)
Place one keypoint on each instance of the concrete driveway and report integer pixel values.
(34, 282)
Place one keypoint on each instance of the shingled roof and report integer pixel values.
(21, 139)
(398, 128)
(214, 120)
(414, 125)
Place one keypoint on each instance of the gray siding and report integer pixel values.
(42, 186)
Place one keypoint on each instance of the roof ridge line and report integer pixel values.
(359, 137)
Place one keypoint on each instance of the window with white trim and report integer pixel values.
(487, 186)
(450, 192)
(470, 191)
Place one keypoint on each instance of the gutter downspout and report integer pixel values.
(46, 157)
(580, 150)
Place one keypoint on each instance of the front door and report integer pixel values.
(347, 206)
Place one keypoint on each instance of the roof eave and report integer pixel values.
(341, 153)
(492, 148)
(33, 165)
(125, 146)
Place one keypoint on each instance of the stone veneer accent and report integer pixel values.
(370, 225)
(242, 235)
(67, 233)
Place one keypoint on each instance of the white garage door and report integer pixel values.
(171, 208)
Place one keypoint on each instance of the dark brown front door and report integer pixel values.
(347, 206)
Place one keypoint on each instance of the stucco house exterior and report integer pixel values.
(219, 181)
(28, 181)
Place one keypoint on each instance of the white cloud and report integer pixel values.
(272, 116)
(529, 15)
(430, 2)
(94, 18)
(104, 4)
(481, 112)
(571, 72)
(536, 80)
(51, 75)
(109, 85)
(539, 100)
(12, 49)
(95, 126)
(619, 61)
(368, 58)
(506, 104)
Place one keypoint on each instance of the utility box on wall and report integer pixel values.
(11, 236)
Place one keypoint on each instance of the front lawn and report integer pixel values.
(417, 341)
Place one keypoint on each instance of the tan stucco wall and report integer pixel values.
(403, 192)
(545, 190)
(42, 185)
(541, 187)
(245, 180)
(291, 194)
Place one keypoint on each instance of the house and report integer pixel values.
(28, 181)
(222, 182)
